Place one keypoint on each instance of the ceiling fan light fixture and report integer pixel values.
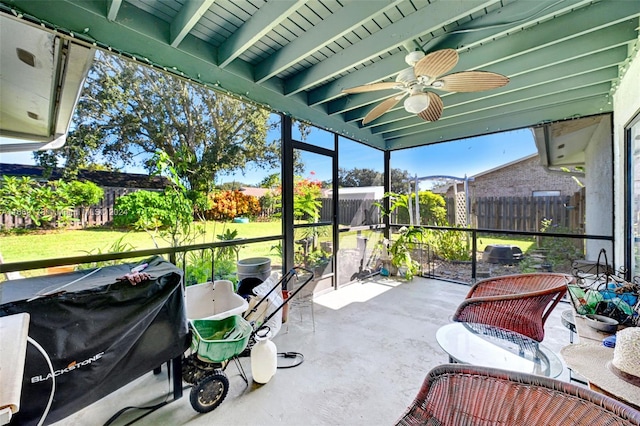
(413, 57)
(406, 76)
(416, 103)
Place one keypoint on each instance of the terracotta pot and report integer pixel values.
(60, 269)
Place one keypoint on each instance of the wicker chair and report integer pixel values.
(520, 303)
(457, 394)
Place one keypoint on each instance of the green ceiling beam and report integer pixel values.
(565, 98)
(492, 24)
(609, 38)
(113, 6)
(535, 81)
(505, 21)
(584, 21)
(574, 25)
(508, 121)
(350, 17)
(269, 16)
(141, 35)
(582, 67)
(188, 16)
(410, 124)
(425, 20)
(379, 70)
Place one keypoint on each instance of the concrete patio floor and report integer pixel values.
(373, 344)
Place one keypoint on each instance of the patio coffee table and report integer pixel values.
(489, 346)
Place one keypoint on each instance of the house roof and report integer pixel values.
(99, 177)
(255, 192)
(564, 58)
(503, 166)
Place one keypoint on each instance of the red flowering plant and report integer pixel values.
(307, 193)
(306, 198)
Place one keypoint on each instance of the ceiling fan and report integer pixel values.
(426, 72)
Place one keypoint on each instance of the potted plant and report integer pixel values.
(317, 261)
(401, 248)
(406, 241)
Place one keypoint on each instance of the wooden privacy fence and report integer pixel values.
(509, 213)
(98, 214)
(527, 213)
(352, 212)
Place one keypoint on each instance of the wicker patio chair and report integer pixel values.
(457, 394)
(520, 303)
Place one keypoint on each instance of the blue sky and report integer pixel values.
(464, 157)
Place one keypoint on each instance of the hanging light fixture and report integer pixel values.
(416, 103)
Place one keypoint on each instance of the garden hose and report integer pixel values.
(297, 355)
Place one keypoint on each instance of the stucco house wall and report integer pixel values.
(626, 106)
(599, 200)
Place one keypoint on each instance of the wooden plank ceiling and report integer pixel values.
(563, 57)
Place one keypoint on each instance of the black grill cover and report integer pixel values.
(100, 333)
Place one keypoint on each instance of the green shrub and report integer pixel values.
(45, 204)
(559, 252)
(451, 245)
(84, 195)
(433, 210)
(201, 203)
(198, 267)
(143, 210)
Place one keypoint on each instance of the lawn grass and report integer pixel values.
(524, 243)
(39, 245)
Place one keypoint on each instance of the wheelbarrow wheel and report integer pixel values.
(209, 392)
(193, 369)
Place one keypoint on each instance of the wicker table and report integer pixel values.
(489, 346)
(588, 336)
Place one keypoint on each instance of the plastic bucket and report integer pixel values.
(258, 267)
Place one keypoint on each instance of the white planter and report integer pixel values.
(214, 300)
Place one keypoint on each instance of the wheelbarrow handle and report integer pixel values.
(284, 280)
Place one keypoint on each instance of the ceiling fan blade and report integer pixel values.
(381, 108)
(436, 63)
(471, 81)
(373, 87)
(434, 110)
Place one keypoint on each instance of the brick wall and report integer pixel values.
(519, 179)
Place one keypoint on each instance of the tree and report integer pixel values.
(359, 177)
(400, 181)
(433, 211)
(368, 177)
(272, 181)
(231, 186)
(128, 112)
(168, 214)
